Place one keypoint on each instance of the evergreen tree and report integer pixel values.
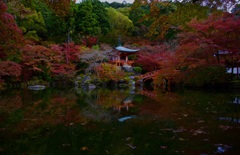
(91, 18)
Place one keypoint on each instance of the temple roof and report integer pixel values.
(124, 49)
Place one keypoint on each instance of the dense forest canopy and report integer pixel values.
(47, 38)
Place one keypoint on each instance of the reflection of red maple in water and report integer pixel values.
(160, 104)
(41, 112)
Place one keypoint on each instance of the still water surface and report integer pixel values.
(119, 122)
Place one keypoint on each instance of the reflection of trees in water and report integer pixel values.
(199, 104)
(10, 102)
(125, 104)
(30, 109)
(118, 100)
(91, 109)
(161, 96)
(159, 104)
(232, 111)
(213, 105)
(110, 98)
(101, 103)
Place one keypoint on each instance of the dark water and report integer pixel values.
(119, 122)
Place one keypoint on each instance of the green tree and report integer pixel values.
(151, 19)
(86, 20)
(136, 14)
(119, 21)
(158, 16)
(183, 14)
(125, 11)
(29, 20)
(56, 26)
(59, 21)
(33, 26)
(28, 3)
(18, 9)
(87, 23)
(102, 16)
(116, 5)
(60, 7)
(186, 12)
(120, 25)
(160, 20)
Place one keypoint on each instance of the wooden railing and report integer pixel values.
(148, 75)
(122, 62)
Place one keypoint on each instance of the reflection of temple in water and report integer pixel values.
(235, 111)
(125, 104)
(236, 100)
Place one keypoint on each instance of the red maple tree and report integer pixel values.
(89, 41)
(10, 42)
(10, 69)
(220, 32)
(11, 35)
(58, 60)
(63, 59)
(154, 57)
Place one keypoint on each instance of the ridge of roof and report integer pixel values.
(124, 49)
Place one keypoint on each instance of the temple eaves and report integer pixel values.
(124, 49)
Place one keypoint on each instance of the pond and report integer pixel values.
(119, 122)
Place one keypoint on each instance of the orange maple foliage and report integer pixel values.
(109, 72)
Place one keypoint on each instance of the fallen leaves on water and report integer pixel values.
(131, 146)
(128, 138)
(181, 139)
(179, 130)
(164, 147)
(197, 132)
(224, 127)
